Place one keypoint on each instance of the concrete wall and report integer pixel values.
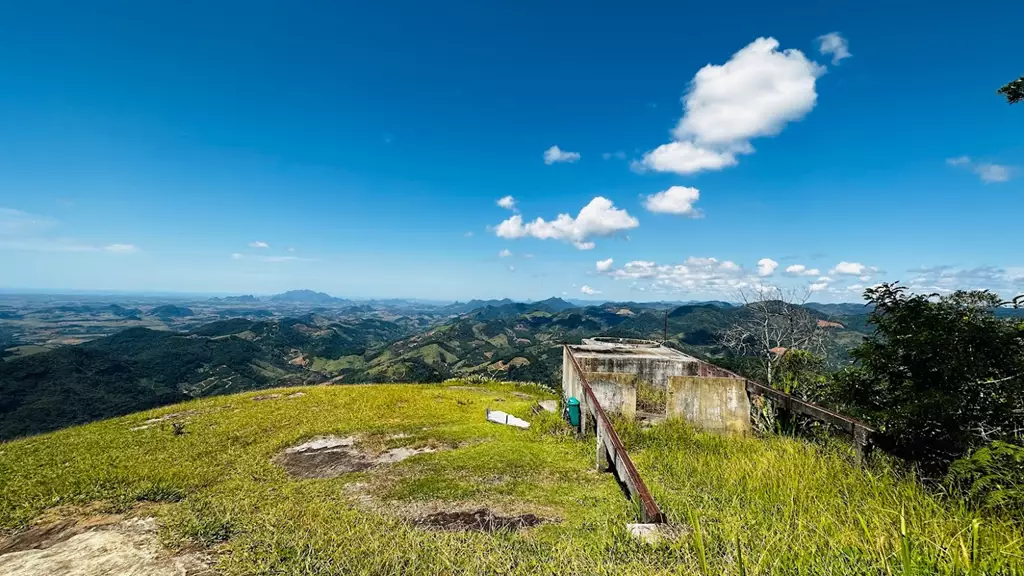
(713, 404)
(571, 386)
(615, 392)
(655, 371)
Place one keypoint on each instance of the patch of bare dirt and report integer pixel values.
(482, 520)
(332, 456)
(96, 546)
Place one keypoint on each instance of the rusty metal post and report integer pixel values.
(583, 416)
(602, 451)
(862, 444)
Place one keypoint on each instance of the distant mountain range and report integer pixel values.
(307, 297)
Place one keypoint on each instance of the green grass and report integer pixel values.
(783, 506)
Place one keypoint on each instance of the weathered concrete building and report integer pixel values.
(641, 376)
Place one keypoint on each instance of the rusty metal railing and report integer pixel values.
(862, 434)
(610, 447)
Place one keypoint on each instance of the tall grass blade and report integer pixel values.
(698, 542)
(739, 556)
(906, 558)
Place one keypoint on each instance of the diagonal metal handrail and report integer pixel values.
(618, 458)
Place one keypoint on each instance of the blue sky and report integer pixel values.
(155, 146)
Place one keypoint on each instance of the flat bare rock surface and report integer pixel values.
(127, 548)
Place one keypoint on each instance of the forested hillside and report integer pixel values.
(140, 368)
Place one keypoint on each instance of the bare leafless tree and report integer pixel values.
(774, 322)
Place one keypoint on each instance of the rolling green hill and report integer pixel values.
(219, 483)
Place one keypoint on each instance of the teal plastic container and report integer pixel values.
(574, 412)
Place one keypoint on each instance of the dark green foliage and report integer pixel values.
(802, 374)
(992, 477)
(1014, 91)
(7, 339)
(939, 376)
(129, 371)
(224, 327)
(71, 386)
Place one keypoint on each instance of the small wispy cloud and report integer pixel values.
(835, 45)
(507, 202)
(987, 171)
(258, 244)
(555, 155)
(992, 172)
(121, 248)
(588, 290)
(279, 258)
(504, 253)
(19, 223)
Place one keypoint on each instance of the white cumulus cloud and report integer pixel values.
(604, 265)
(684, 158)
(258, 244)
(598, 218)
(556, 154)
(507, 202)
(589, 291)
(755, 94)
(801, 270)
(835, 45)
(766, 266)
(850, 269)
(677, 200)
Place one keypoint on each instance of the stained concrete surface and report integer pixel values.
(713, 404)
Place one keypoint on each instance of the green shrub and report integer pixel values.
(992, 477)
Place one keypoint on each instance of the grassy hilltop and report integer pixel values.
(788, 505)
